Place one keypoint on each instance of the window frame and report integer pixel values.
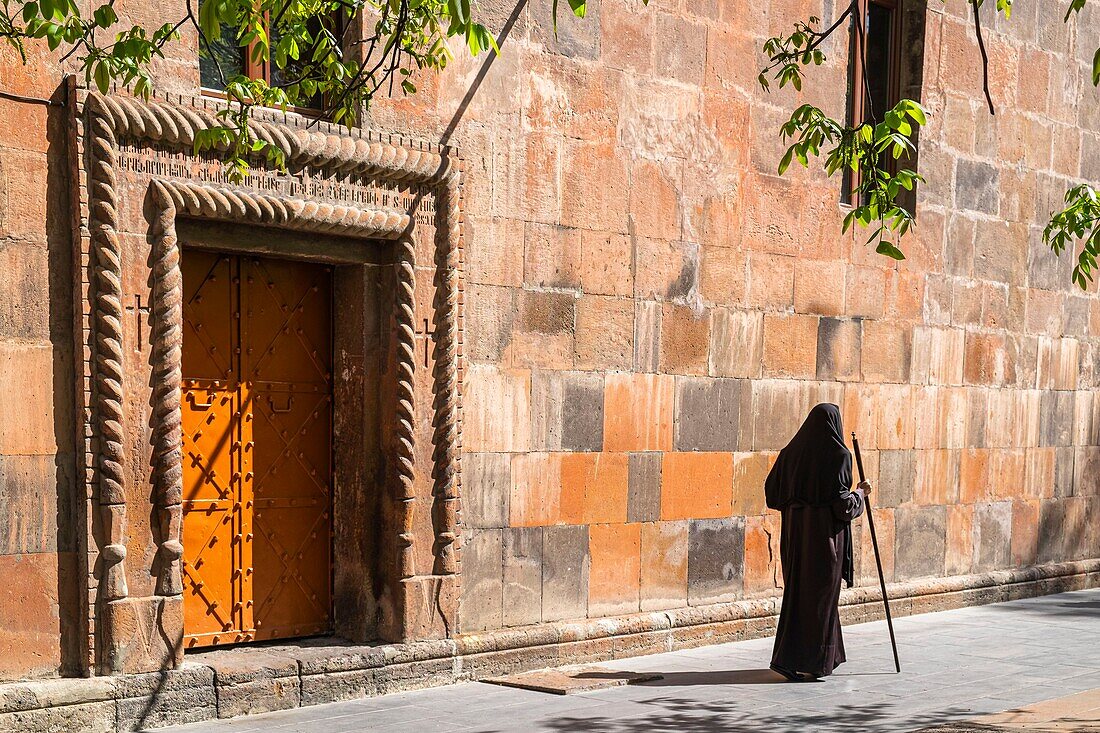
(857, 101)
(262, 70)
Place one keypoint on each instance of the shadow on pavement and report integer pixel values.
(742, 716)
(724, 677)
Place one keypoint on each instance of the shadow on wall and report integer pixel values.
(70, 510)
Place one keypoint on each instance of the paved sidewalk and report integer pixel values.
(956, 666)
(1078, 713)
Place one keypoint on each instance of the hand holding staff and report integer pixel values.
(878, 559)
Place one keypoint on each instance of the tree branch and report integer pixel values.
(985, 56)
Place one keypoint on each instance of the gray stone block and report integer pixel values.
(547, 396)
(96, 717)
(582, 413)
(708, 413)
(178, 699)
(565, 568)
(546, 312)
(522, 575)
(992, 536)
(263, 695)
(29, 505)
(644, 496)
(574, 37)
(414, 675)
(647, 336)
(482, 588)
(336, 686)
(1045, 269)
(839, 342)
(1053, 526)
(1056, 411)
(1064, 465)
(920, 541)
(895, 478)
(976, 186)
(486, 487)
(716, 557)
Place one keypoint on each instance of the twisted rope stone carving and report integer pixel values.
(445, 449)
(167, 341)
(177, 125)
(404, 322)
(107, 334)
(228, 204)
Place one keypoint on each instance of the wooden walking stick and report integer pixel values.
(878, 559)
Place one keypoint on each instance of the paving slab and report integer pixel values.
(572, 680)
(1078, 713)
(957, 667)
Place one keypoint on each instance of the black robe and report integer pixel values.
(810, 484)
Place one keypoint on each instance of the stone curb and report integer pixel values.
(227, 683)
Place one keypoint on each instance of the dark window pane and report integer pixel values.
(879, 51)
(293, 72)
(220, 59)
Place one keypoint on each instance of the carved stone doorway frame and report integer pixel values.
(417, 593)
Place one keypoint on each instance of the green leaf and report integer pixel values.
(888, 249)
(786, 162)
(30, 10)
(105, 16)
(1096, 69)
(102, 77)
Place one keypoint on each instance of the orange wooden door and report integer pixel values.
(257, 421)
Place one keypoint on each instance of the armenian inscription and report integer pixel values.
(306, 182)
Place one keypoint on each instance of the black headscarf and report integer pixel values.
(815, 469)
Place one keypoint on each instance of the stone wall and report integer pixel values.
(650, 312)
(38, 541)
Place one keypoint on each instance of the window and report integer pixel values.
(875, 83)
(223, 58)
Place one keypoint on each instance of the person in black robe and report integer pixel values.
(810, 484)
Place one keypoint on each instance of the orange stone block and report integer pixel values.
(1025, 532)
(1008, 472)
(860, 413)
(1039, 473)
(790, 346)
(959, 556)
(606, 263)
(594, 487)
(771, 281)
(30, 635)
(664, 565)
(638, 412)
(750, 470)
(763, 569)
(974, 476)
(614, 578)
(819, 287)
(536, 497)
(696, 485)
(685, 340)
(935, 479)
(894, 413)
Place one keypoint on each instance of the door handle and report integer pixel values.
(289, 404)
(199, 405)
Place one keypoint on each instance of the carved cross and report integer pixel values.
(138, 310)
(431, 338)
